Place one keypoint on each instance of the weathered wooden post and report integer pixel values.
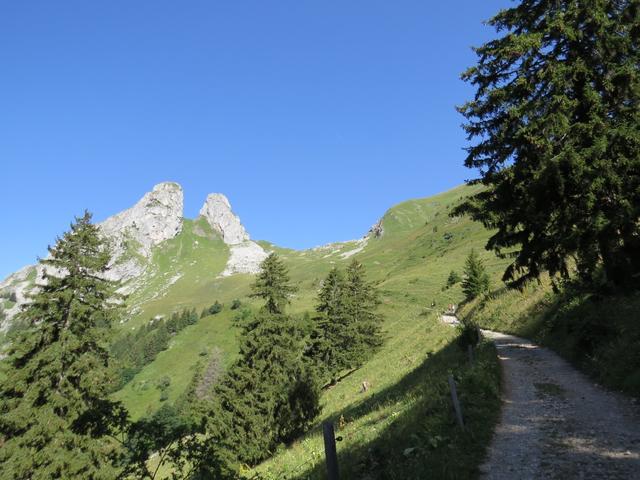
(470, 353)
(330, 451)
(456, 403)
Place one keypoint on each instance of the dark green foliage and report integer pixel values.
(135, 350)
(215, 308)
(468, 334)
(163, 383)
(476, 279)
(270, 395)
(54, 416)
(272, 285)
(362, 301)
(454, 278)
(236, 304)
(329, 342)
(557, 125)
(173, 440)
(346, 328)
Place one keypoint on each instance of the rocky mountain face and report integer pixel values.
(217, 211)
(134, 234)
(245, 256)
(14, 291)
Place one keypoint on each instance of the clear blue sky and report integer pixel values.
(313, 117)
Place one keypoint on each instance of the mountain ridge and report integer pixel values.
(136, 233)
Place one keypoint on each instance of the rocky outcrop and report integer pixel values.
(155, 218)
(217, 211)
(16, 288)
(245, 256)
(376, 231)
(134, 232)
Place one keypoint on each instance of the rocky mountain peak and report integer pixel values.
(155, 218)
(217, 211)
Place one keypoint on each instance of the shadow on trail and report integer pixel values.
(421, 439)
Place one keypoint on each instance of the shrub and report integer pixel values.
(454, 277)
(163, 383)
(215, 308)
(236, 304)
(468, 334)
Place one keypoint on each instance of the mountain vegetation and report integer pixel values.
(476, 280)
(556, 123)
(55, 416)
(555, 118)
(96, 385)
(346, 329)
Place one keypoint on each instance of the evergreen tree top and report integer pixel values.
(272, 284)
(556, 124)
(331, 294)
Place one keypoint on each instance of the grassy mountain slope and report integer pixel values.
(407, 407)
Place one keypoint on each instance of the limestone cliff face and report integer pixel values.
(245, 256)
(155, 218)
(16, 287)
(217, 211)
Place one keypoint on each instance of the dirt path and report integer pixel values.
(556, 423)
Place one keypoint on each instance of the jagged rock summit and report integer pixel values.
(133, 233)
(217, 211)
(245, 256)
(156, 217)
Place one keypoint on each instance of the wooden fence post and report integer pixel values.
(456, 403)
(330, 451)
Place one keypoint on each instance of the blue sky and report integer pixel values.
(313, 117)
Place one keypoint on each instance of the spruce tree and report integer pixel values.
(453, 278)
(272, 285)
(270, 395)
(476, 279)
(330, 343)
(361, 305)
(54, 412)
(556, 124)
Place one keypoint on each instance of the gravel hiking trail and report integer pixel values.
(555, 423)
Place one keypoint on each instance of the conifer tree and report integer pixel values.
(54, 412)
(476, 279)
(361, 304)
(272, 285)
(270, 394)
(453, 278)
(330, 343)
(556, 120)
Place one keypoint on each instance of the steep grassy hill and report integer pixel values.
(405, 418)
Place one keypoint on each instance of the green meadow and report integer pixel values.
(403, 426)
